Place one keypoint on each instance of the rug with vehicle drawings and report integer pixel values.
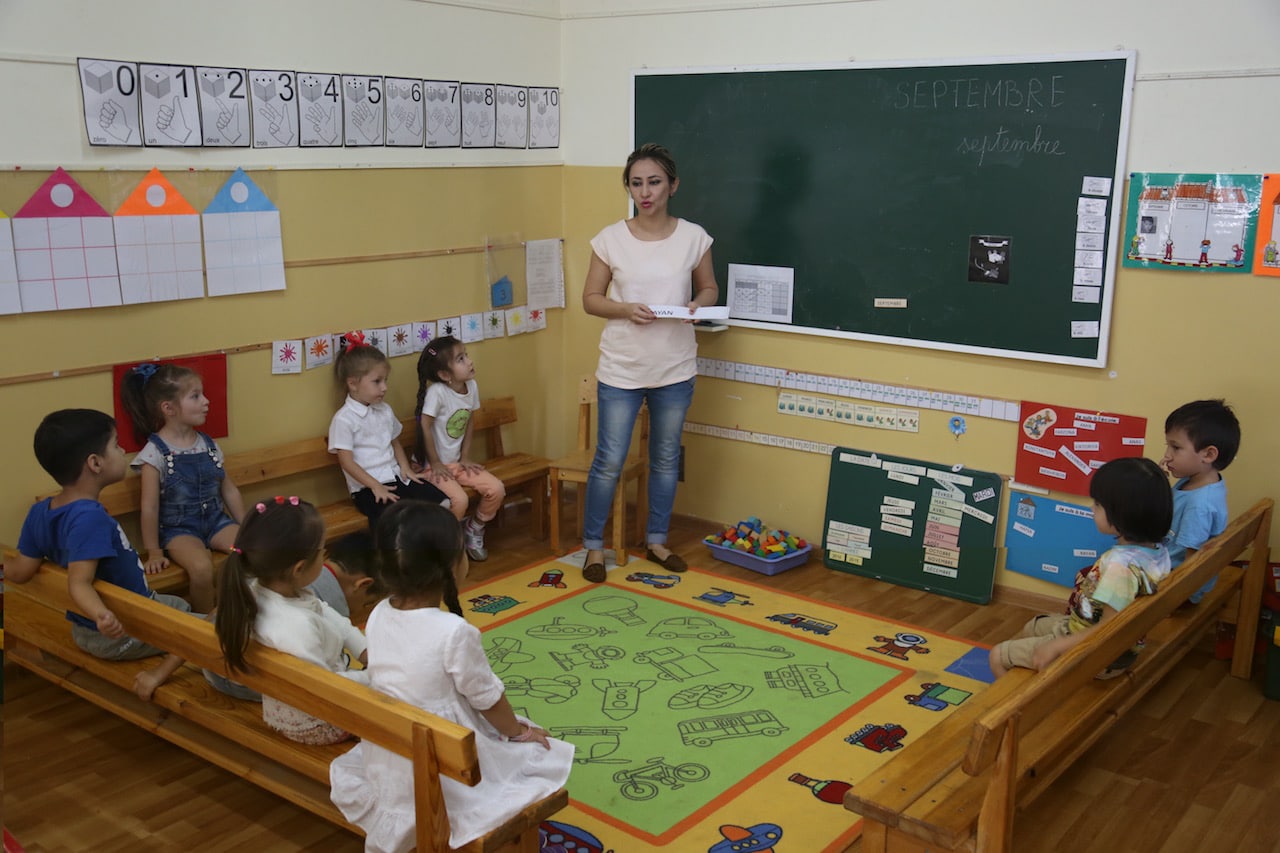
(709, 712)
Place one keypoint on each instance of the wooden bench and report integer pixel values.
(230, 733)
(521, 473)
(958, 786)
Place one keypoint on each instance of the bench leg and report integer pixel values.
(555, 513)
(538, 499)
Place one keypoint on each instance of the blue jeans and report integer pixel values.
(616, 412)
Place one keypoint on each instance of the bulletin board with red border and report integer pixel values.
(213, 375)
(1059, 447)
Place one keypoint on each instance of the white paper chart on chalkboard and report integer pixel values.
(110, 94)
(404, 112)
(443, 113)
(275, 108)
(478, 111)
(544, 117)
(513, 116)
(363, 103)
(224, 106)
(170, 106)
(320, 110)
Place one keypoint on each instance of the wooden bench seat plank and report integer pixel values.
(957, 789)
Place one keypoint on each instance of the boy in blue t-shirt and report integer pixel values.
(1201, 439)
(78, 448)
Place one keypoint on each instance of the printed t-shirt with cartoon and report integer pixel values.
(452, 412)
(1120, 575)
(83, 530)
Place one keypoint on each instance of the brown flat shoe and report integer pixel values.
(673, 562)
(594, 572)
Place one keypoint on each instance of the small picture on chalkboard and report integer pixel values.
(989, 259)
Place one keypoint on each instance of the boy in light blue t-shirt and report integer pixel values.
(1201, 439)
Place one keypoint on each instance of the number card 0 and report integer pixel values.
(224, 106)
(110, 91)
(513, 117)
(443, 108)
(320, 110)
(478, 110)
(275, 108)
(404, 112)
(544, 117)
(170, 106)
(362, 109)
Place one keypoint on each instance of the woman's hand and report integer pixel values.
(639, 314)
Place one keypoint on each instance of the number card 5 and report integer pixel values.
(362, 109)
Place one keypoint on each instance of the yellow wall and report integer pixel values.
(1175, 337)
(336, 213)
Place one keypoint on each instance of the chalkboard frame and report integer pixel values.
(1070, 350)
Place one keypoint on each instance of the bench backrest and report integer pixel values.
(396, 725)
(251, 467)
(1042, 691)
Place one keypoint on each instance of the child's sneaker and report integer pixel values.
(473, 539)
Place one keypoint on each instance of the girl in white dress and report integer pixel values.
(263, 594)
(432, 658)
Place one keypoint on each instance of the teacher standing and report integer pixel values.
(653, 258)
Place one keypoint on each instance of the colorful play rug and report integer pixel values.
(711, 714)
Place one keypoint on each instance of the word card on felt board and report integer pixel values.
(912, 523)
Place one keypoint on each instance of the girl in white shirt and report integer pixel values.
(263, 595)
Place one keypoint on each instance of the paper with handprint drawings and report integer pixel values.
(479, 106)
(363, 109)
(110, 91)
(274, 95)
(170, 106)
(442, 107)
(224, 106)
(544, 117)
(320, 110)
(404, 112)
(512, 117)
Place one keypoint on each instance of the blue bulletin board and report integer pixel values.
(1049, 539)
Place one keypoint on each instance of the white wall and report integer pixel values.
(515, 42)
(1208, 76)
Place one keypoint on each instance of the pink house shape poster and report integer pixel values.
(65, 248)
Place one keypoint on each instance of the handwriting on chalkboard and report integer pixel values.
(976, 93)
(1003, 142)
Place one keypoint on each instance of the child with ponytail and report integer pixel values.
(433, 659)
(263, 595)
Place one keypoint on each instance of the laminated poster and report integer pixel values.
(1050, 539)
(1204, 222)
(1266, 256)
(1059, 447)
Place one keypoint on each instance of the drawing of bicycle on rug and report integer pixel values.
(639, 784)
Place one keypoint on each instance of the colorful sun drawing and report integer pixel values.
(424, 334)
(320, 347)
(402, 337)
(288, 353)
(494, 319)
(536, 314)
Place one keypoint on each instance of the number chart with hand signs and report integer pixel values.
(130, 104)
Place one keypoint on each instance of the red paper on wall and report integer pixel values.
(213, 375)
(1059, 447)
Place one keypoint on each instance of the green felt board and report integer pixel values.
(856, 493)
(858, 178)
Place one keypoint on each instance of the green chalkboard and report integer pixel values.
(901, 184)
(912, 523)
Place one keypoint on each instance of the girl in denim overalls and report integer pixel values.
(189, 504)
